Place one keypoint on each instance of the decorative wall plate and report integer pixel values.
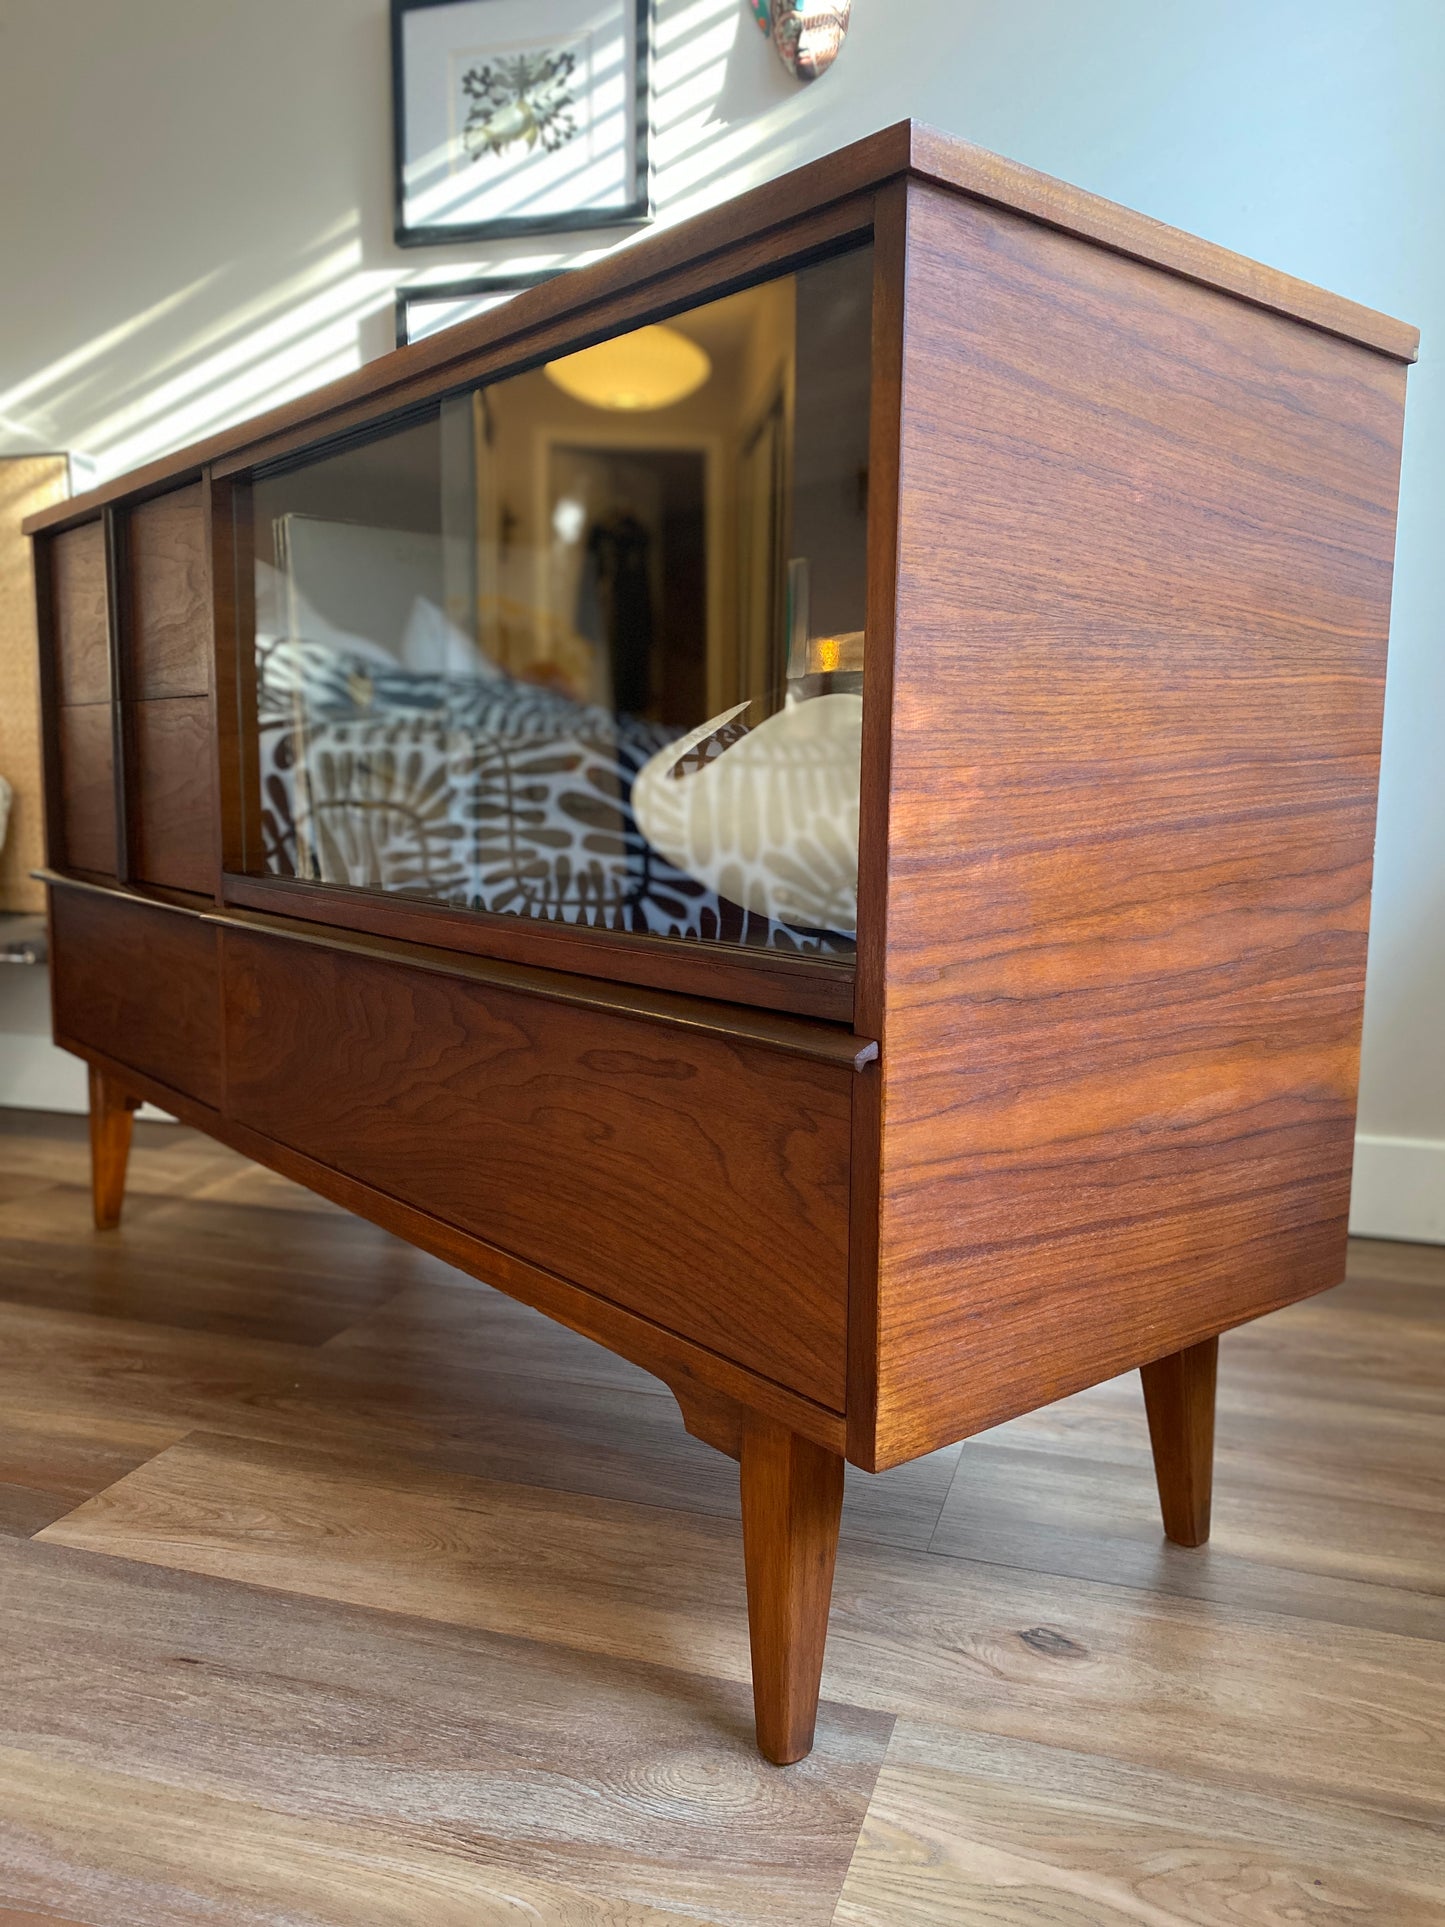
(806, 33)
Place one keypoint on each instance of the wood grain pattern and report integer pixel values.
(86, 749)
(639, 1339)
(169, 608)
(906, 148)
(1179, 1396)
(700, 1183)
(771, 980)
(536, 1698)
(82, 635)
(1130, 534)
(405, 1354)
(1130, 816)
(815, 1043)
(402, 1770)
(173, 828)
(963, 1830)
(1151, 1681)
(112, 1110)
(940, 158)
(792, 1499)
(141, 986)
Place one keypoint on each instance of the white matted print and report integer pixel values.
(518, 116)
(425, 308)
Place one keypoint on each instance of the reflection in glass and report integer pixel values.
(586, 644)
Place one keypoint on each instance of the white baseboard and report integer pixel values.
(35, 1076)
(1399, 1189)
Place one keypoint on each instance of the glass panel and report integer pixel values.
(585, 644)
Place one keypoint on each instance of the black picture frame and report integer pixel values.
(419, 292)
(635, 212)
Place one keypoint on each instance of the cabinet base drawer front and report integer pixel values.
(141, 985)
(698, 1181)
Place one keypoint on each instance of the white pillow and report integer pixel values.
(282, 610)
(434, 645)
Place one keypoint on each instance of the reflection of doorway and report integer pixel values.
(762, 537)
(628, 573)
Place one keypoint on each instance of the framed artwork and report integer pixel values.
(518, 117)
(429, 306)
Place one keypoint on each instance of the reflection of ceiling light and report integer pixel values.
(569, 518)
(650, 368)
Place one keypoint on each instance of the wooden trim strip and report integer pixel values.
(806, 1038)
(799, 986)
(753, 258)
(796, 1037)
(890, 312)
(155, 896)
(652, 1346)
(43, 562)
(908, 148)
(117, 596)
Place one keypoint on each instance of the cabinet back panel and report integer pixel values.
(140, 985)
(87, 786)
(1144, 548)
(173, 836)
(169, 632)
(698, 1182)
(82, 646)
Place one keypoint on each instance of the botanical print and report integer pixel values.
(524, 100)
(519, 116)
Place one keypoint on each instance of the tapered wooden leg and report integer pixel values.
(792, 1492)
(1179, 1398)
(111, 1114)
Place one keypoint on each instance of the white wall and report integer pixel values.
(196, 224)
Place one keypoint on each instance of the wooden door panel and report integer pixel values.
(87, 787)
(174, 830)
(169, 630)
(82, 630)
(699, 1181)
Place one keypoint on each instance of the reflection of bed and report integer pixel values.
(478, 790)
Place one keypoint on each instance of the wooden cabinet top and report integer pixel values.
(578, 301)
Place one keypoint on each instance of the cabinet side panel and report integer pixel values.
(700, 1182)
(139, 985)
(1142, 598)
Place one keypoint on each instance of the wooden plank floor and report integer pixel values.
(336, 1589)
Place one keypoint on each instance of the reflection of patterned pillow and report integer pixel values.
(488, 793)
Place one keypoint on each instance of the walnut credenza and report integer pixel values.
(1074, 1090)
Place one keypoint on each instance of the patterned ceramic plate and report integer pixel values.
(806, 33)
